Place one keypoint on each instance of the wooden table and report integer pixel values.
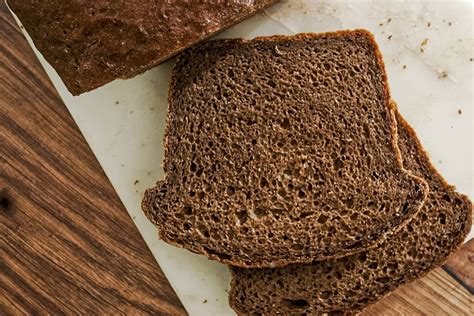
(67, 244)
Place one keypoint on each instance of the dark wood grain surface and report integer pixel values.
(67, 244)
(461, 266)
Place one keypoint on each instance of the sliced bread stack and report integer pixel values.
(285, 158)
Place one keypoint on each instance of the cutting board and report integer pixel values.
(123, 124)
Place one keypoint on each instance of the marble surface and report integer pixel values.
(428, 51)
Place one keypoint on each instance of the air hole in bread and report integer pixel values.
(301, 194)
(276, 212)
(298, 303)
(187, 210)
(322, 219)
(349, 203)
(259, 213)
(373, 265)
(297, 247)
(405, 208)
(446, 198)
(211, 252)
(305, 214)
(230, 190)
(355, 245)
(363, 257)
(241, 217)
(413, 252)
(285, 123)
(424, 217)
(371, 205)
(442, 218)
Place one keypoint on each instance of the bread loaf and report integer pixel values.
(90, 43)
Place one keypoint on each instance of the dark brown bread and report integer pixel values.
(281, 150)
(350, 284)
(91, 43)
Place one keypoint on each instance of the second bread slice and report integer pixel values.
(281, 150)
(348, 285)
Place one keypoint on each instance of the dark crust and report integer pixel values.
(24, 11)
(441, 261)
(148, 200)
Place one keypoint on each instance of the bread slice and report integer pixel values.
(92, 43)
(350, 284)
(281, 150)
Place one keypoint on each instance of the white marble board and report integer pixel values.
(428, 51)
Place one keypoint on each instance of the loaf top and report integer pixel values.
(90, 43)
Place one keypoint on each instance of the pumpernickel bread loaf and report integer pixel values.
(349, 284)
(281, 150)
(90, 43)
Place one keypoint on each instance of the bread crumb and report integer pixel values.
(422, 50)
(136, 182)
(470, 59)
(389, 20)
(443, 74)
(429, 24)
(116, 102)
(204, 302)
(381, 24)
(390, 37)
(459, 111)
(404, 66)
(449, 23)
(425, 41)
